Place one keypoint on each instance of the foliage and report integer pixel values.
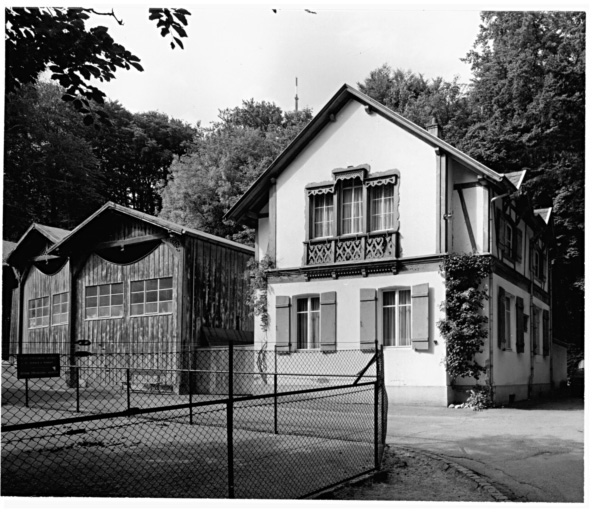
(57, 171)
(464, 325)
(58, 39)
(223, 162)
(420, 100)
(257, 298)
(528, 109)
(479, 398)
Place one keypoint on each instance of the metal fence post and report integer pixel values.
(77, 376)
(229, 426)
(191, 409)
(376, 387)
(26, 392)
(275, 390)
(128, 387)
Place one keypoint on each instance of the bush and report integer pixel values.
(479, 398)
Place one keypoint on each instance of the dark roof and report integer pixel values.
(27, 242)
(255, 195)
(156, 221)
(7, 248)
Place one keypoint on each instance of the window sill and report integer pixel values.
(151, 314)
(38, 327)
(104, 318)
(399, 347)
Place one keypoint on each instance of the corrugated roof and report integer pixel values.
(346, 93)
(165, 224)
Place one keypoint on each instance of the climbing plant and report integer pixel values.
(257, 298)
(464, 326)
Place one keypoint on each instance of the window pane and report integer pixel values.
(166, 295)
(314, 303)
(314, 343)
(165, 307)
(117, 310)
(91, 312)
(389, 299)
(104, 311)
(152, 284)
(137, 286)
(137, 298)
(302, 305)
(117, 288)
(91, 302)
(152, 296)
(405, 297)
(117, 299)
(302, 330)
(91, 291)
(137, 309)
(104, 300)
(388, 325)
(404, 325)
(151, 307)
(105, 289)
(166, 282)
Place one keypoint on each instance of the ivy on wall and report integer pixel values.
(257, 298)
(464, 326)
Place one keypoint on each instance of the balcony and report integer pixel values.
(346, 249)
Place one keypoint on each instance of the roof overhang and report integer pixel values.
(256, 196)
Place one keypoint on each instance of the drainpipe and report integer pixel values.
(531, 317)
(490, 338)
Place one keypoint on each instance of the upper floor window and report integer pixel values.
(323, 215)
(382, 202)
(538, 262)
(308, 316)
(59, 309)
(151, 296)
(509, 237)
(351, 201)
(397, 318)
(507, 322)
(39, 312)
(104, 301)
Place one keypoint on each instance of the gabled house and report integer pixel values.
(129, 283)
(357, 214)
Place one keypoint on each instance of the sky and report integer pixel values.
(235, 53)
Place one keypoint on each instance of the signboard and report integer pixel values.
(37, 366)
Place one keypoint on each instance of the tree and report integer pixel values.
(421, 100)
(51, 175)
(57, 39)
(223, 162)
(528, 109)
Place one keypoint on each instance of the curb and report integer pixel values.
(481, 480)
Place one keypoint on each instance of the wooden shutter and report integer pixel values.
(420, 313)
(283, 323)
(368, 318)
(546, 333)
(328, 321)
(519, 307)
(501, 326)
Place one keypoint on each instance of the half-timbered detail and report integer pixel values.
(358, 213)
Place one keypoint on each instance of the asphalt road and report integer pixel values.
(533, 452)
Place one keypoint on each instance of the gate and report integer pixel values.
(225, 423)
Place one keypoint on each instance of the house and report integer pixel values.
(357, 214)
(9, 282)
(130, 283)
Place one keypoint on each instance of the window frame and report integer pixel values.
(536, 331)
(53, 305)
(312, 219)
(98, 305)
(381, 321)
(309, 313)
(145, 292)
(509, 327)
(29, 309)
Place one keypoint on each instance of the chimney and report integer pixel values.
(433, 128)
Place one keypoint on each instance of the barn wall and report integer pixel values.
(149, 333)
(53, 338)
(216, 288)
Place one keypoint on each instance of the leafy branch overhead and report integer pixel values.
(57, 39)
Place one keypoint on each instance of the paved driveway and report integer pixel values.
(533, 451)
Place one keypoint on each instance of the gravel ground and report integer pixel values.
(412, 476)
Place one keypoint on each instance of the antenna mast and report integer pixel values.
(296, 96)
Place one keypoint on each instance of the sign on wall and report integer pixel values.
(38, 366)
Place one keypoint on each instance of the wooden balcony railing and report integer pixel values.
(361, 247)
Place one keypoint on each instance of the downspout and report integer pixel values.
(490, 340)
(531, 316)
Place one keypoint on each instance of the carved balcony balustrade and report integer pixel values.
(344, 249)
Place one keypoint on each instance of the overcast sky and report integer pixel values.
(237, 53)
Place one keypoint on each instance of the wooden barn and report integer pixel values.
(130, 283)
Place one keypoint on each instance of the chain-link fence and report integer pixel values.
(167, 425)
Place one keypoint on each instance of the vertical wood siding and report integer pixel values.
(53, 338)
(150, 333)
(217, 289)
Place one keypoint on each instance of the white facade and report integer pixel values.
(343, 285)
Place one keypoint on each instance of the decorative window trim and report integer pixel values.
(321, 190)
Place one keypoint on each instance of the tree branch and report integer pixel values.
(112, 14)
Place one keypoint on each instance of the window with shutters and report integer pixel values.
(507, 322)
(509, 237)
(538, 263)
(536, 329)
(397, 318)
(39, 312)
(59, 309)
(308, 322)
(104, 301)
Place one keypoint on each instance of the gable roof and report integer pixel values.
(150, 219)
(544, 213)
(516, 177)
(255, 196)
(7, 248)
(49, 233)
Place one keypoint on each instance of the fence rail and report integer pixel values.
(207, 424)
